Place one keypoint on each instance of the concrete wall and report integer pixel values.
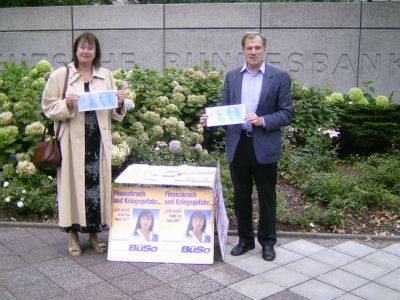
(322, 44)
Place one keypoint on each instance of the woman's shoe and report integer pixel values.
(98, 245)
(74, 249)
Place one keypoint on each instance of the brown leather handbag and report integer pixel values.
(47, 154)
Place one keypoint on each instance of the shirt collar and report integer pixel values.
(262, 68)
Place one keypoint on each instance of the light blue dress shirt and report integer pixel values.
(251, 90)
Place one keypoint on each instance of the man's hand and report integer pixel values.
(254, 119)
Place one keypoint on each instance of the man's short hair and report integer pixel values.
(252, 35)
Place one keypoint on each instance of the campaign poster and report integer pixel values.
(162, 224)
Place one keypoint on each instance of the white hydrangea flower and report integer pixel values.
(23, 156)
(178, 97)
(6, 184)
(5, 117)
(151, 117)
(20, 204)
(175, 146)
(129, 74)
(7, 199)
(198, 75)
(161, 144)
(198, 147)
(116, 137)
(25, 169)
(199, 129)
(174, 83)
(129, 94)
(214, 74)
(125, 147)
(129, 104)
(188, 71)
(118, 156)
(178, 89)
(331, 132)
(34, 129)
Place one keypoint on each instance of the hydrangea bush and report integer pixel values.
(163, 128)
(21, 122)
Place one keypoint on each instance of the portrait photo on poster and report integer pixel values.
(197, 226)
(145, 225)
(98, 100)
(226, 115)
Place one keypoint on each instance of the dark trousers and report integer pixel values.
(244, 169)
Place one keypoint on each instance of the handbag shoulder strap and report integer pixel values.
(63, 97)
(65, 82)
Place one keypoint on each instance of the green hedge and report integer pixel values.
(368, 129)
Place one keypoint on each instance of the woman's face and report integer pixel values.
(197, 223)
(145, 222)
(85, 52)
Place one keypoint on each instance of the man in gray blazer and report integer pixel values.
(253, 148)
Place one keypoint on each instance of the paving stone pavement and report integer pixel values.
(34, 264)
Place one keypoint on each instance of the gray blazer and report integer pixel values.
(275, 106)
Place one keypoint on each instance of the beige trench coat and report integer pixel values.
(71, 174)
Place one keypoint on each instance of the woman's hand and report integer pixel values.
(71, 100)
(203, 119)
(121, 98)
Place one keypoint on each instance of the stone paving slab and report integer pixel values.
(365, 269)
(284, 277)
(34, 264)
(391, 280)
(309, 267)
(256, 288)
(332, 257)
(41, 289)
(342, 279)
(354, 249)
(373, 291)
(314, 289)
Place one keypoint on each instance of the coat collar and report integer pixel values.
(74, 74)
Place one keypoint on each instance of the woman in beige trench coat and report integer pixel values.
(84, 178)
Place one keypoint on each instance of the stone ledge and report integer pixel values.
(233, 232)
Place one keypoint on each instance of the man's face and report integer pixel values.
(254, 52)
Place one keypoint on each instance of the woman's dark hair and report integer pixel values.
(197, 214)
(145, 213)
(92, 40)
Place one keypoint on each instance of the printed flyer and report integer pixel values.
(162, 224)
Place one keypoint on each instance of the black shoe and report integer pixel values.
(268, 253)
(241, 248)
